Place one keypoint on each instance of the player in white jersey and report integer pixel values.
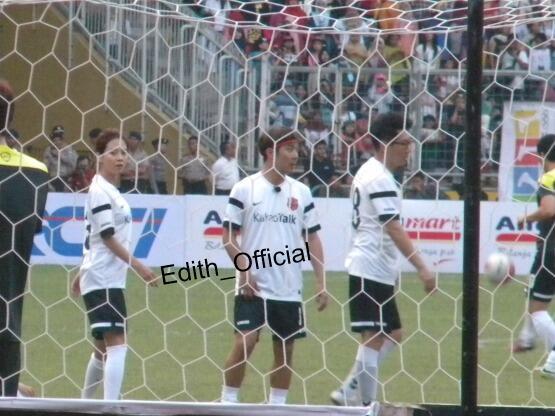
(378, 235)
(274, 214)
(102, 276)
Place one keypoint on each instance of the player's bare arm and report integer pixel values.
(120, 251)
(247, 286)
(403, 242)
(76, 286)
(317, 261)
(545, 211)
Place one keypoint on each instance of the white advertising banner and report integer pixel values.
(179, 229)
(523, 124)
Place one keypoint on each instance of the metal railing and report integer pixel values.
(177, 64)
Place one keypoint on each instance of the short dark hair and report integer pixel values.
(94, 133)
(223, 146)
(83, 157)
(7, 107)
(387, 126)
(136, 135)
(156, 141)
(273, 137)
(106, 137)
(546, 147)
(192, 138)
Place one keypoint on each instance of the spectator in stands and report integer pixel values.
(321, 170)
(515, 58)
(447, 83)
(376, 59)
(283, 108)
(300, 93)
(239, 39)
(225, 169)
(194, 174)
(437, 148)
(83, 174)
(427, 53)
(320, 14)
(160, 165)
(326, 90)
(496, 44)
(316, 47)
(287, 52)
(536, 35)
(456, 115)
(93, 135)
(379, 96)
(356, 51)
(215, 10)
(315, 130)
(294, 17)
(326, 62)
(364, 144)
(352, 25)
(348, 156)
(417, 188)
(135, 177)
(397, 61)
(60, 159)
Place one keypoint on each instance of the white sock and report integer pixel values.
(387, 346)
(93, 377)
(114, 369)
(230, 394)
(367, 369)
(550, 362)
(277, 396)
(545, 327)
(351, 381)
(527, 332)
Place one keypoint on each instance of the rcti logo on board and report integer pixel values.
(56, 221)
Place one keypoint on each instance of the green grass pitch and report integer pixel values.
(179, 337)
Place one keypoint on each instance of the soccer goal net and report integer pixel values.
(192, 85)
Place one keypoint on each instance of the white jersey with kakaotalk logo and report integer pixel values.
(106, 213)
(376, 199)
(275, 218)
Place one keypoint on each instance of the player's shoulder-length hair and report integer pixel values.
(106, 137)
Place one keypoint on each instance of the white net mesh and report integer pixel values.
(220, 70)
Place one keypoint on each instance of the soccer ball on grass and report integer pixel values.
(499, 269)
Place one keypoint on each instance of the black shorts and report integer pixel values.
(284, 318)
(372, 306)
(543, 272)
(106, 311)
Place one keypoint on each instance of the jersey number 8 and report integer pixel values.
(356, 212)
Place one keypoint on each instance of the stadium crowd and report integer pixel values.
(376, 73)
